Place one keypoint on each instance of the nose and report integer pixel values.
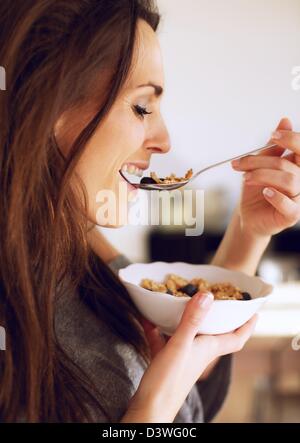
(159, 142)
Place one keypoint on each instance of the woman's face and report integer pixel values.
(128, 136)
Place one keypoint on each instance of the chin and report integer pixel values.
(111, 226)
(107, 218)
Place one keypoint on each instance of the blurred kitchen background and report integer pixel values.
(228, 79)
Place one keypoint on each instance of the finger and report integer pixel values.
(289, 208)
(288, 140)
(194, 313)
(284, 124)
(166, 337)
(294, 158)
(235, 341)
(285, 182)
(244, 331)
(290, 157)
(265, 162)
(154, 338)
(147, 325)
(156, 342)
(276, 151)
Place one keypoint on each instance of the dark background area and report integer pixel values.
(175, 246)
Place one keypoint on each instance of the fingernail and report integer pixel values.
(247, 176)
(235, 163)
(276, 135)
(204, 299)
(268, 192)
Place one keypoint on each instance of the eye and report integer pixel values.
(141, 111)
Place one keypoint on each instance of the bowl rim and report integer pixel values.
(184, 298)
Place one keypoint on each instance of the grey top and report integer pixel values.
(116, 368)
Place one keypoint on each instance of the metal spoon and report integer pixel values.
(169, 187)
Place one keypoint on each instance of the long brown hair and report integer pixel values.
(53, 50)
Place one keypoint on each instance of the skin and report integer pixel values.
(259, 215)
(125, 137)
(272, 171)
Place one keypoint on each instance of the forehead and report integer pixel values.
(147, 62)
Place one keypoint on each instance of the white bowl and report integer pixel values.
(165, 310)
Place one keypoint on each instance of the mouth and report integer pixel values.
(129, 171)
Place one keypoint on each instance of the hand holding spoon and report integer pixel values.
(152, 186)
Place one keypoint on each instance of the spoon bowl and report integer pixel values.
(171, 186)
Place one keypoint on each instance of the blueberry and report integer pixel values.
(147, 180)
(246, 296)
(189, 289)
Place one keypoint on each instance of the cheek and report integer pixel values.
(111, 145)
(137, 135)
(119, 139)
(125, 135)
(116, 139)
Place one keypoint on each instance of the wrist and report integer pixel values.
(251, 237)
(241, 248)
(142, 410)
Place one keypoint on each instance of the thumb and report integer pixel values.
(194, 313)
(153, 336)
(284, 124)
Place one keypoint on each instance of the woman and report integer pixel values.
(78, 107)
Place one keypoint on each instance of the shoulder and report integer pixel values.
(119, 262)
(112, 365)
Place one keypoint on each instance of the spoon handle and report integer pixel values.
(231, 159)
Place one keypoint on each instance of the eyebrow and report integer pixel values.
(158, 90)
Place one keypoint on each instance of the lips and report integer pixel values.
(135, 168)
(132, 169)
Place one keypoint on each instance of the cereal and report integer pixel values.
(178, 294)
(153, 286)
(155, 178)
(169, 180)
(225, 291)
(189, 174)
(171, 285)
(181, 287)
(202, 284)
(179, 281)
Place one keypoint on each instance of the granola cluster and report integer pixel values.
(181, 287)
(169, 180)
